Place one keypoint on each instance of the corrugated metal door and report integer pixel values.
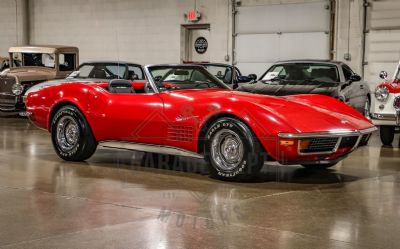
(268, 33)
(383, 40)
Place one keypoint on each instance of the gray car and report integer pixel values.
(332, 78)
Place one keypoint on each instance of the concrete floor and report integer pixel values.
(113, 202)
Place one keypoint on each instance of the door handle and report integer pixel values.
(361, 86)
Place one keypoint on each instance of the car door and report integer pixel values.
(135, 117)
(353, 92)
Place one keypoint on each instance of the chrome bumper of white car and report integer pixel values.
(385, 119)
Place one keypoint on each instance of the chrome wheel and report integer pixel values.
(227, 150)
(67, 133)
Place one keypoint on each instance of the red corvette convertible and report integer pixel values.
(184, 110)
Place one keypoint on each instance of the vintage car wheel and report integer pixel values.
(387, 134)
(318, 166)
(71, 135)
(232, 150)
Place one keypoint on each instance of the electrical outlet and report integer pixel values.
(347, 56)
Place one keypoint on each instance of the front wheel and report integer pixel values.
(318, 166)
(387, 134)
(71, 135)
(232, 151)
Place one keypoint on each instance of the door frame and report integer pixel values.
(185, 36)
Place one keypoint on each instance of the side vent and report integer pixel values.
(180, 133)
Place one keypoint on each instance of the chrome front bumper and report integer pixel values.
(362, 137)
(386, 119)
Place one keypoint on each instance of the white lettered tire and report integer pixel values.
(71, 135)
(232, 150)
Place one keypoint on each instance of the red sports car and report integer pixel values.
(184, 110)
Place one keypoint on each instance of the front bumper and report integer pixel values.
(292, 154)
(386, 119)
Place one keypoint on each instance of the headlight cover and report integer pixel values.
(381, 94)
(17, 89)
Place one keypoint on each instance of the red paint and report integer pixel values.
(393, 86)
(152, 118)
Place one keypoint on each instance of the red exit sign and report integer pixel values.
(193, 16)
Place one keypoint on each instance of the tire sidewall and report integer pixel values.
(249, 148)
(387, 134)
(73, 113)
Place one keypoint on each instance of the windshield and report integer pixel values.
(223, 73)
(302, 72)
(169, 78)
(108, 71)
(34, 59)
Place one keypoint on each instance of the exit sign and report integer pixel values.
(193, 16)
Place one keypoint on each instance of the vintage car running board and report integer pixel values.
(152, 148)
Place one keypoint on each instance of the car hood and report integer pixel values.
(30, 73)
(283, 88)
(302, 113)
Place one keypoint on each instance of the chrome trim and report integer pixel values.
(152, 148)
(335, 133)
(394, 102)
(387, 117)
(150, 78)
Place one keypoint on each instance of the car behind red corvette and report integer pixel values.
(184, 110)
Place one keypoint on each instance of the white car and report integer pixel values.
(385, 108)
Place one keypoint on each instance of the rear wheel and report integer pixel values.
(318, 166)
(387, 134)
(71, 135)
(232, 151)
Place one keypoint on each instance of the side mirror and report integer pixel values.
(253, 76)
(383, 75)
(355, 78)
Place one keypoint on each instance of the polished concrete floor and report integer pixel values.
(111, 201)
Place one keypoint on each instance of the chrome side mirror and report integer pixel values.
(383, 75)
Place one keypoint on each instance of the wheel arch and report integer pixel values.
(57, 107)
(210, 120)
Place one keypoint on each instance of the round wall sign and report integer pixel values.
(201, 45)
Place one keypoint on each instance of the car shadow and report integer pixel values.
(271, 172)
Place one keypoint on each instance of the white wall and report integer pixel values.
(11, 24)
(144, 31)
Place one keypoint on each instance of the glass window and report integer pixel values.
(170, 78)
(66, 62)
(302, 72)
(34, 59)
(135, 70)
(347, 72)
(275, 72)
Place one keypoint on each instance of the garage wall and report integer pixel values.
(12, 24)
(383, 50)
(283, 30)
(144, 31)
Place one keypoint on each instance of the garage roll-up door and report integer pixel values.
(383, 40)
(272, 32)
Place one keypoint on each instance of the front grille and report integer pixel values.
(6, 84)
(320, 144)
(348, 142)
(364, 139)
